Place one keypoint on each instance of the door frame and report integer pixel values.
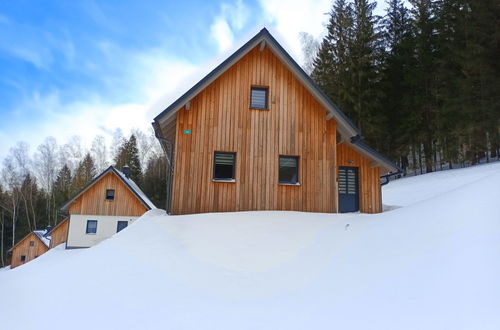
(358, 187)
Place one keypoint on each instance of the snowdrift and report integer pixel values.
(433, 263)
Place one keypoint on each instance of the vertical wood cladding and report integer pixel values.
(23, 248)
(93, 201)
(59, 234)
(370, 198)
(219, 119)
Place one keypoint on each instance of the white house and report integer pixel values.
(104, 207)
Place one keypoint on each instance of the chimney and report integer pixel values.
(126, 171)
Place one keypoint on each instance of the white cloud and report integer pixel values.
(222, 33)
(232, 17)
(152, 76)
(290, 17)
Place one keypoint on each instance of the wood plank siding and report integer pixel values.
(219, 119)
(93, 201)
(23, 248)
(370, 199)
(59, 234)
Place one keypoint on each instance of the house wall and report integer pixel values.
(24, 248)
(106, 227)
(59, 234)
(220, 120)
(93, 201)
(370, 198)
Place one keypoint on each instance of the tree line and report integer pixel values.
(422, 82)
(34, 187)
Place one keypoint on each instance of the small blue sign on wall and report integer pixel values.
(187, 131)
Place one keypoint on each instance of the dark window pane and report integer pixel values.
(289, 169)
(224, 165)
(23, 258)
(32, 243)
(258, 98)
(110, 194)
(91, 227)
(121, 225)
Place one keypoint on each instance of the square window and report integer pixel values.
(32, 243)
(224, 165)
(258, 97)
(110, 194)
(91, 227)
(289, 170)
(121, 225)
(23, 258)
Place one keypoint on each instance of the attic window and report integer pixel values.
(32, 243)
(259, 97)
(110, 194)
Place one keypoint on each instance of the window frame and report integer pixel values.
(113, 197)
(266, 101)
(287, 183)
(87, 227)
(233, 179)
(32, 243)
(22, 258)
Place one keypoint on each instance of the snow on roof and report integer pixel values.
(135, 188)
(42, 235)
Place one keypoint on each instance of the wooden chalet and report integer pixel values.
(30, 247)
(106, 205)
(258, 134)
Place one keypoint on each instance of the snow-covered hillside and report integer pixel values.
(433, 263)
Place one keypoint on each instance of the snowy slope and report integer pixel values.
(432, 264)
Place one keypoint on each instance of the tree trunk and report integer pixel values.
(428, 156)
(14, 215)
(1, 239)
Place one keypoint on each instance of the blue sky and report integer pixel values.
(88, 67)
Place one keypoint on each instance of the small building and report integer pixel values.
(59, 234)
(258, 134)
(106, 205)
(30, 247)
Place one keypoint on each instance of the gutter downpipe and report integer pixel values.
(169, 151)
(386, 177)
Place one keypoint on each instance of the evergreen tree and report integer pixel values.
(128, 154)
(84, 173)
(397, 64)
(63, 186)
(155, 180)
(365, 52)
(331, 66)
(424, 78)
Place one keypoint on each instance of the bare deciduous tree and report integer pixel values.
(13, 183)
(71, 153)
(46, 164)
(99, 153)
(310, 48)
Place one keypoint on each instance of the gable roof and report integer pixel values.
(131, 185)
(41, 234)
(345, 127)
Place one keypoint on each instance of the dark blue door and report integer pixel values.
(348, 189)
